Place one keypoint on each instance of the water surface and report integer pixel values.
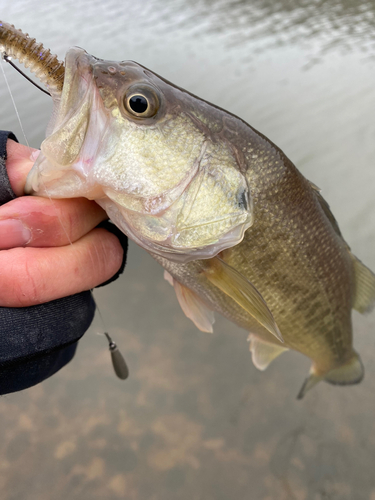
(196, 420)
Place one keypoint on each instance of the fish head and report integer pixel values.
(151, 154)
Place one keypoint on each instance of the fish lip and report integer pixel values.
(78, 58)
(79, 61)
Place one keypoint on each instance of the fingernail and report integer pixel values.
(34, 155)
(13, 234)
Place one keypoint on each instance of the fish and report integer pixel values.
(235, 225)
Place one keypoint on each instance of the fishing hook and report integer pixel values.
(9, 60)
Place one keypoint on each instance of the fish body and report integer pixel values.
(301, 266)
(235, 225)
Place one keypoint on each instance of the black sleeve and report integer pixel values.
(37, 341)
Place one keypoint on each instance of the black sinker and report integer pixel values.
(138, 103)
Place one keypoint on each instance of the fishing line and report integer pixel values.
(118, 362)
(57, 213)
(5, 57)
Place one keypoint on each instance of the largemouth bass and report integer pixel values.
(236, 226)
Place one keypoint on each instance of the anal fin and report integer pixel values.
(193, 307)
(262, 352)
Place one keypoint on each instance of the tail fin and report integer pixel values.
(308, 384)
(351, 372)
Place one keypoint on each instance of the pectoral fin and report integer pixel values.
(192, 305)
(364, 298)
(168, 277)
(236, 286)
(262, 352)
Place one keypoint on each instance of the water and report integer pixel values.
(196, 420)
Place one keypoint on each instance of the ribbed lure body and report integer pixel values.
(46, 66)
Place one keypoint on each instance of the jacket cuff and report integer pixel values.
(6, 191)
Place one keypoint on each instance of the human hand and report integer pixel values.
(50, 248)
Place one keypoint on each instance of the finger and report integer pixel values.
(19, 161)
(32, 276)
(40, 222)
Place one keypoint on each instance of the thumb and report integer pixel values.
(19, 161)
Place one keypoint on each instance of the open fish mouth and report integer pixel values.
(63, 169)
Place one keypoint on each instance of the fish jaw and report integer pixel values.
(63, 169)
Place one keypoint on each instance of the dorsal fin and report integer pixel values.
(364, 296)
(326, 209)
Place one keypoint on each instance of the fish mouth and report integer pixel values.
(78, 119)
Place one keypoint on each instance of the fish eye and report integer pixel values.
(141, 102)
(138, 103)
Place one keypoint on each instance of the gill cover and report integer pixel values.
(134, 143)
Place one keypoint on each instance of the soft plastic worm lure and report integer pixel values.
(46, 66)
